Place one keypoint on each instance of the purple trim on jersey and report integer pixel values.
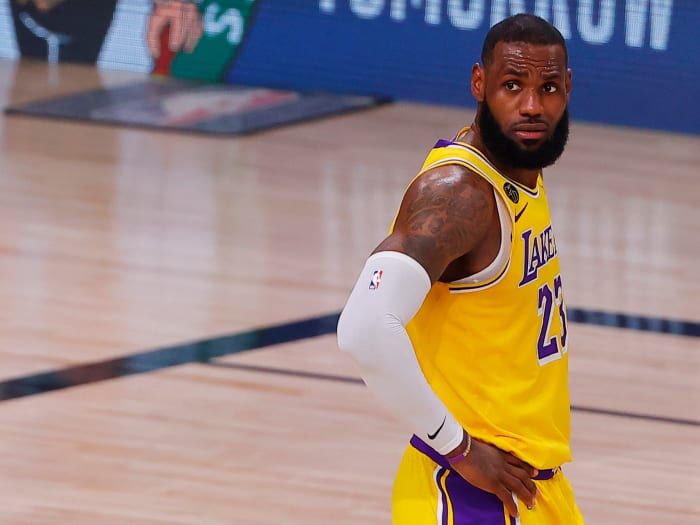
(442, 143)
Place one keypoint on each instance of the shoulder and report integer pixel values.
(450, 181)
(451, 193)
(444, 214)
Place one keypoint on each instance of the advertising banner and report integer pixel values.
(225, 23)
(634, 62)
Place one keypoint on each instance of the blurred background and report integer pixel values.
(189, 190)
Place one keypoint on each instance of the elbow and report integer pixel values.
(349, 334)
(363, 335)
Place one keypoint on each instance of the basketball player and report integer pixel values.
(458, 318)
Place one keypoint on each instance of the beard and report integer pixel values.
(512, 154)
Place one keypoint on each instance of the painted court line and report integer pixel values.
(208, 349)
(358, 381)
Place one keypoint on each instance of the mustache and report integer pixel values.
(533, 121)
(530, 122)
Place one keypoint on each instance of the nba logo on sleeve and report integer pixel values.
(376, 279)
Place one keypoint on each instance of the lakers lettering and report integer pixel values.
(539, 250)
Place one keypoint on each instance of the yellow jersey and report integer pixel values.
(495, 351)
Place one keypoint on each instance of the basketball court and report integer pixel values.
(169, 305)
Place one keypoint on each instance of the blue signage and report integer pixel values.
(634, 62)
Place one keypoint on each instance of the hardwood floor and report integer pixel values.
(116, 241)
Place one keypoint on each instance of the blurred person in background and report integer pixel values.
(75, 30)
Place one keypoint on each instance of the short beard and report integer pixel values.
(511, 154)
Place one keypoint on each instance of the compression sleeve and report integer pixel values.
(391, 288)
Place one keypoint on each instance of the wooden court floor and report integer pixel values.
(115, 243)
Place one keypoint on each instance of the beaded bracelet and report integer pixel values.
(464, 453)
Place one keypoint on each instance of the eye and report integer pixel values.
(550, 88)
(510, 85)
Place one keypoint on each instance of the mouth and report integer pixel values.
(531, 132)
(530, 136)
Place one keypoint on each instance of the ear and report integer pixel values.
(478, 82)
(568, 84)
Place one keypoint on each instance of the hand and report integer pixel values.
(42, 5)
(500, 473)
(185, 26)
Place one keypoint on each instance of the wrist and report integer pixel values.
(462, 451)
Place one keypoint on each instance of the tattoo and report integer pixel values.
(436, 224)
(443, 217)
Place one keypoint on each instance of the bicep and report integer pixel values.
(445, 214)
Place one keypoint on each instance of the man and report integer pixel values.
(458, 318)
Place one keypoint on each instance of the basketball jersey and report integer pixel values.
(495, 351)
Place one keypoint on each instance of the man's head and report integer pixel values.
(523, 87)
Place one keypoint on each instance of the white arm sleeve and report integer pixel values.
(388, 293)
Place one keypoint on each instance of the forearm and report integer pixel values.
(372, 329)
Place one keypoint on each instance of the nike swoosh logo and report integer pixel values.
(433, 436)
(518, 215)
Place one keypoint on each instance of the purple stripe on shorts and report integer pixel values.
(471, 505)
(547, 474)
(426, 449)
(443, 496)
(422, 446)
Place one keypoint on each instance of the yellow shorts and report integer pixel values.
(426, 493)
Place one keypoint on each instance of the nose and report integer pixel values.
(531, 104)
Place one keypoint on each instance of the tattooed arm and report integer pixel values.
(444, 215)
